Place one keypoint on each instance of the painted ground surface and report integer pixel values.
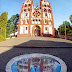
(26, 45)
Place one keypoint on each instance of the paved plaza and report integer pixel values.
(25, 45)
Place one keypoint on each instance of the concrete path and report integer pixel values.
(34, 42)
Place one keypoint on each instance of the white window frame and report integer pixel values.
(21, 21)
(49, 15)
(45, 22)
(26, 21)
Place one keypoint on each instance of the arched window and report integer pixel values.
(44, 5)
(45, 10)
(29, 5)
(39, 19)
(26, 14)
(36, 19)
(45, 21)
(49, 11)
(45, 14)
(50, 22)
(46, 28)
(25, 5)
(28, 9)
(21, 21)
(24, 9)
(49, 15)
(48, 5)
(26, 21)
(33, 21)
(26, 28)
(22, 15)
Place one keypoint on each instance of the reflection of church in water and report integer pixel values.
(34, 20)
(35, 65)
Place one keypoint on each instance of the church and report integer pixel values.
(36, 21)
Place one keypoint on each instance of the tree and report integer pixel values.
(12, 24)
(3, 22)
(70, 18)
(68, 28)
(16, 23)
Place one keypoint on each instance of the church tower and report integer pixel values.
(36, 21)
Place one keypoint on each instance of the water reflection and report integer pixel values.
(36, 64)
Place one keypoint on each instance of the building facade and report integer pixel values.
(36, 21)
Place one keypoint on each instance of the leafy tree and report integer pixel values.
(68, 28)
(16, 23)
(3, 22)
(12, 24)
(70, 18)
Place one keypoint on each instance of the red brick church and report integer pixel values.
(36, 21)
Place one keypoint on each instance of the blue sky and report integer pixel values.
(62, 9)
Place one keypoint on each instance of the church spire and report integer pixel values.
(36, 5)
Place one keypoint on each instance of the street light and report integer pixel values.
(60, 31)
(65, 29)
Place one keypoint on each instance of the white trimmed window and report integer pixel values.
(26, 14)
(33, 21)
(50, 30)
(45, 14)
(21, 21)
(50, 22)
(45, 21)
(22, 15)
(21, 29)
(49, 15)
(26, 28)
(39, 21)
(46, 28)
(26, 21)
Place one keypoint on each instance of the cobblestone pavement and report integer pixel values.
(26, 45)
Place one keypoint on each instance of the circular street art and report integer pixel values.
(36, 63)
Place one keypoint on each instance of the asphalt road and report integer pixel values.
(64, 53)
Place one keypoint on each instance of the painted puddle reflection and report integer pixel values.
(36, 64)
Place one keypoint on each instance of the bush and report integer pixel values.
(7, 36)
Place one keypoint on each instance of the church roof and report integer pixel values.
(36, 7)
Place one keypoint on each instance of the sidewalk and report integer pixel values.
(34, 42)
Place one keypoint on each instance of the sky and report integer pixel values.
(62, 9)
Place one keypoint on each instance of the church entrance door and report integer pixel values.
(36, 30)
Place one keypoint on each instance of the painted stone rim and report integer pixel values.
(9, 64)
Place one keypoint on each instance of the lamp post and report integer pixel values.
(60, 31)
(65, 29)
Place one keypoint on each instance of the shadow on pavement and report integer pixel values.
(37, 46)
(42, 43)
